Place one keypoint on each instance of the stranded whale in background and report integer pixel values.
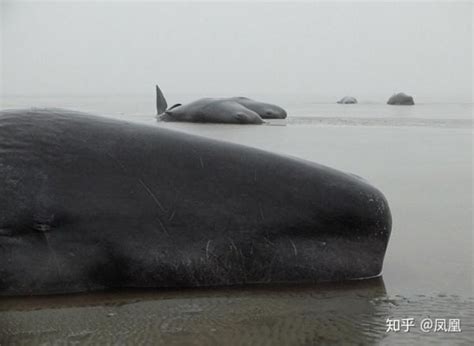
(90, 203)
(401, 99)
(232, 110)
(347, 100)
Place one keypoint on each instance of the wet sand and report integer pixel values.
(425, 173)
(349, 313)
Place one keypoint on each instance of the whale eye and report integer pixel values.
(44, 223)
(242, 117)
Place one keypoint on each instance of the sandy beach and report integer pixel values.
(426, 174)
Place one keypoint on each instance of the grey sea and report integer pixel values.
(419, 156)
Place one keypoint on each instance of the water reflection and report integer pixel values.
(302, 314)
(344, 313)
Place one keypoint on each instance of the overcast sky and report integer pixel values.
(367, 50)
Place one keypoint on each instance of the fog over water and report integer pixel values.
(325, 50)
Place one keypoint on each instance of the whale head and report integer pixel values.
(265, 110)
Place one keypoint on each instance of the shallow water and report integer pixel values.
(424, 167)
(301, 108)
(352, 313)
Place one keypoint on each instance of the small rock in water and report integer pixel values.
(401, 99)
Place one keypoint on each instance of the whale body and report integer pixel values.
(90, 203)
(231, 110)
(347, 100)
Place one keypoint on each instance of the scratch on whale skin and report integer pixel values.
(142, 183)
(207, 248)
(262, 216)
(157, 202)
(145, 186)
(202, 162)
(232, 244)
(294, 247)
(268, 241)
(162, 226)
(147, 189)
(171, 217)
(53, 255)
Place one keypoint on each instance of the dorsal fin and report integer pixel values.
(161, 104)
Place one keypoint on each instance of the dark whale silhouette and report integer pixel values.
(233, 110)
(89, 203)
(347, 100)
(401, 99)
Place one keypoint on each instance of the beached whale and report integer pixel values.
(232, 110)
(401, 99)
(347, 100)
(89, 203)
